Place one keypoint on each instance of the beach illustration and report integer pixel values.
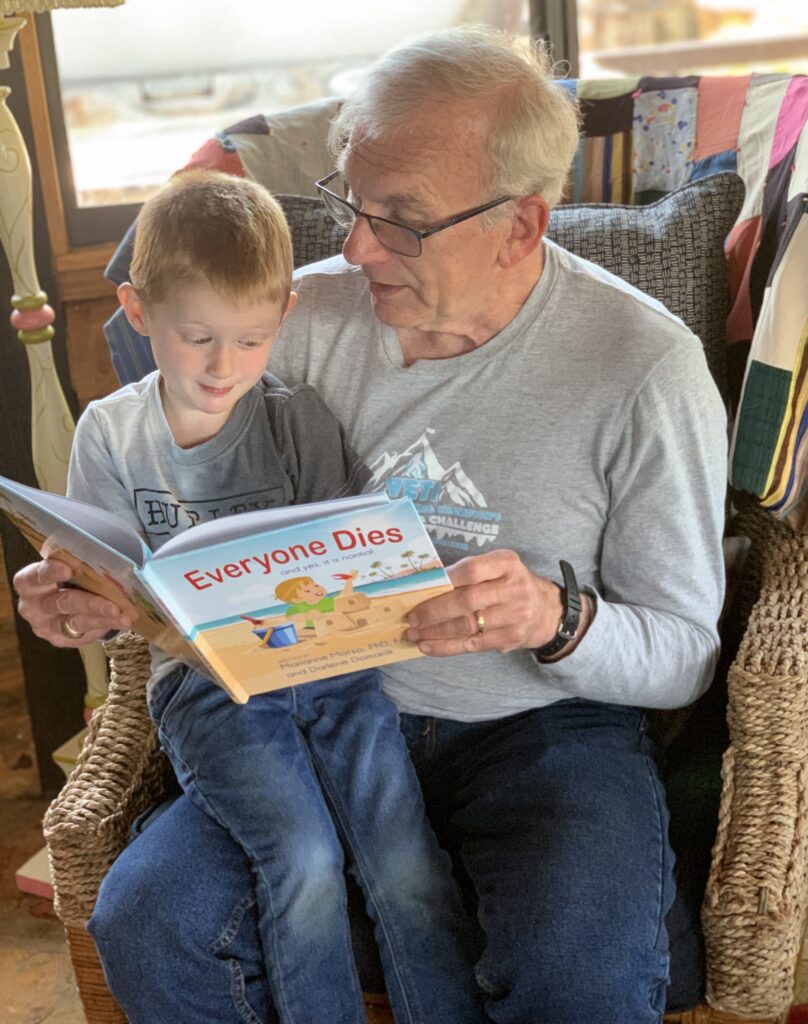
(330, 634)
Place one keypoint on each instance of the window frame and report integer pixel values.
(556, 22)
(85, 226)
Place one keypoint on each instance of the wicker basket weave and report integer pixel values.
(755, 905)
(119, 773)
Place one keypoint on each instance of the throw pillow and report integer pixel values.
(315, 233)
(672, 249)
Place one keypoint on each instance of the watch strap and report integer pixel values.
(570, 616)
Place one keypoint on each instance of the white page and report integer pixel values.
(219, 531)
(65, 517)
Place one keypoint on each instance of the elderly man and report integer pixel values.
(564, 443)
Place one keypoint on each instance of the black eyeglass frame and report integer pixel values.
(418, 235)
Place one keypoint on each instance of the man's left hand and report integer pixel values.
(497, 591)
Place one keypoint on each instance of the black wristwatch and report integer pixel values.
(570, 617)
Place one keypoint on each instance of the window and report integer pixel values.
(676, 37)
(135, 90)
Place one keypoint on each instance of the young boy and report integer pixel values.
(208, 434)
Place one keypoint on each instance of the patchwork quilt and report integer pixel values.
(644, 137)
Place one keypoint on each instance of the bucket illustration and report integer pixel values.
(279, 636)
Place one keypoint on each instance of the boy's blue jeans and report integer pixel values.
(557, 819)
(291, 775)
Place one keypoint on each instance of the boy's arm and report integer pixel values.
(313, 447)
(92, 475)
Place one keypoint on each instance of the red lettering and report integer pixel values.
(394, 535)
(344, 539)
(196, 580)
(232, 570)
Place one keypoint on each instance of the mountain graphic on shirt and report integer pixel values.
(449, 502)
(457, 488)
(418, 462)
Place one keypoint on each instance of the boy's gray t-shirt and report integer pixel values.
(280, 446)
(588, 429)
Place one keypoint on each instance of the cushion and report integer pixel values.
(315, 233)
(672, 249)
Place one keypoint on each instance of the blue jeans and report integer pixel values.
(556, 820)
(291, 776)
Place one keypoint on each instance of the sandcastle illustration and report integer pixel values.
(351, 611)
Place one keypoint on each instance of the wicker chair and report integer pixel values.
(755, 905)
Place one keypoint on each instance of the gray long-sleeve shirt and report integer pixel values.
(588, 429)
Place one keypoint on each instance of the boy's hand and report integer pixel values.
(46, 604)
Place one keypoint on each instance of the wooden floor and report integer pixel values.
(36, 979)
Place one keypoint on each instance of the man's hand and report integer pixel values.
(517, 608)
(45, 602)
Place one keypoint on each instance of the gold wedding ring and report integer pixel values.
(480, 623)
(69, 630)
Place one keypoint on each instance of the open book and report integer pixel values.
(256, 601)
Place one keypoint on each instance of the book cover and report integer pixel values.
(260, 600)
(318, 598)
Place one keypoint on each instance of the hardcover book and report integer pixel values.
(256, 601)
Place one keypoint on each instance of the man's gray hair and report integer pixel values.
(532, 130)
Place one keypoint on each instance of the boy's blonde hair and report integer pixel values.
(209, 228)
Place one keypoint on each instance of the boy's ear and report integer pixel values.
(132, 307)
(290, 305)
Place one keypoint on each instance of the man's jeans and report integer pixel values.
(287, 775)
(558, 821)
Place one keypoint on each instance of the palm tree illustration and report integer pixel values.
(380, 567)
(409, 556)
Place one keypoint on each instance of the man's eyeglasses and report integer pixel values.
(398, 238)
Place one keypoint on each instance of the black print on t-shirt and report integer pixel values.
(163, 514)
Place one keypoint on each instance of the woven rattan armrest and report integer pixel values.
(119, 773)
(755, 905)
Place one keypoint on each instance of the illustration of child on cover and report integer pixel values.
(304, 594)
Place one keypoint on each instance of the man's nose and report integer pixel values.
(362, 246)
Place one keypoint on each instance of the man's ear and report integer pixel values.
(527, 228)
(132, 307)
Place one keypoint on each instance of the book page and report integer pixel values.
(247, 524)
(71, 523)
